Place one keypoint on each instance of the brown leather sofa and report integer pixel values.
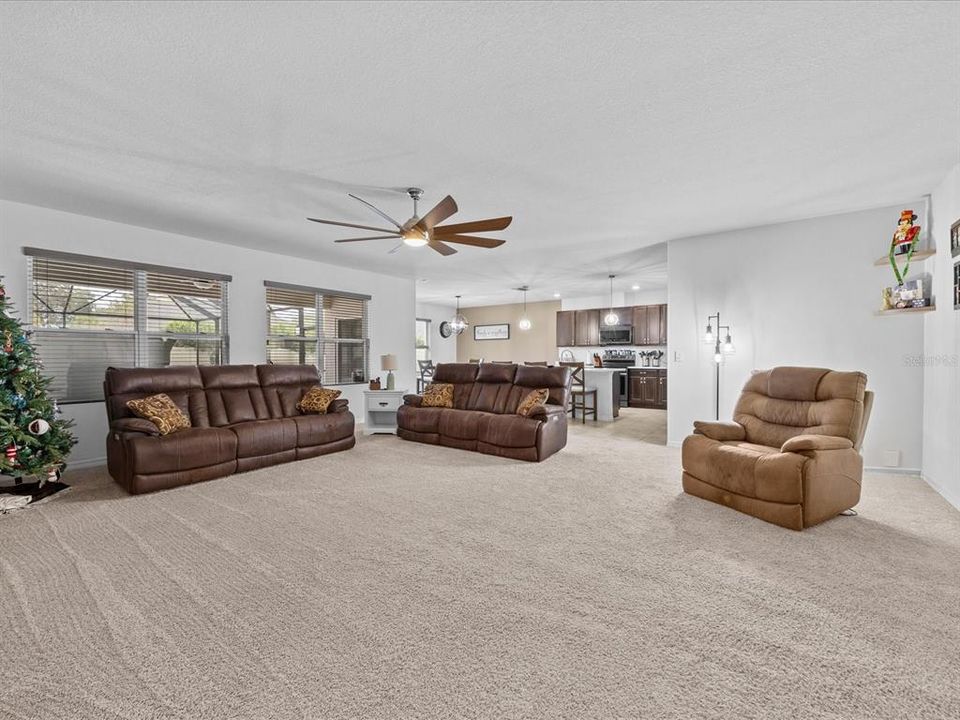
(791, 456)
(483, 417)
(243, 417)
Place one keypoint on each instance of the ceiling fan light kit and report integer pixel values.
(427, 230)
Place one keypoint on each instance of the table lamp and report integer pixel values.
(389, 363)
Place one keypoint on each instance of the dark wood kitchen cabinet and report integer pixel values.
(566, 324)
(647, 388)
(650, 325)
(587, 327)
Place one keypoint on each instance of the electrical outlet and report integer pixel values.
(891, 458)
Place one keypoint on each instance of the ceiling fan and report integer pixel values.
(427, 230)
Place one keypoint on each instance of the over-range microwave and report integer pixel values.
(616, 334)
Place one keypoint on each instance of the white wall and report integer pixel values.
(941, 352)
(620, 299)
(392, 308)
(799, 293)
(442, 350)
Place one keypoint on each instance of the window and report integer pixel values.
(325, 328)
(423, 339)
(90, 313)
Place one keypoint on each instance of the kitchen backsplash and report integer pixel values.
(585, 354)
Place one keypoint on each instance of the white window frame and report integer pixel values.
(140, 334)
(320, 340)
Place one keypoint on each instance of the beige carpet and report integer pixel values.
(399, 580)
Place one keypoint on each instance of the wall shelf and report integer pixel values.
(917, 257)
(901, 311)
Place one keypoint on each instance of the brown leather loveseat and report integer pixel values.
(483, 417)
(242, 416)
(792, 454)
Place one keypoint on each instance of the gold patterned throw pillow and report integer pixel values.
(317, 399)
(534, 398)
(161, 411)
(438, 395)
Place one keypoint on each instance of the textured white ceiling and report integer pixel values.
(603, 128)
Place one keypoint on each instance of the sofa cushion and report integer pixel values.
(317, 399)
(461, 376)
(184, 450)
(508, 431)
(321, 429)
(460, 424)
(284, 385)
(751, 470)
(233, 394)
(183, 385)
(496, 373)
(264, 437)
(437, 395)
(419, 419)
(161, 411)
(555, 379)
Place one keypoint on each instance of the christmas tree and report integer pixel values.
(34, 439)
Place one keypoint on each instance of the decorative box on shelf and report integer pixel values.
(380, 411)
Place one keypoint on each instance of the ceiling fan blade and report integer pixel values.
(374, 237)
(476, 226)
(442, 248)
(444, 209)
(350, 225)
(471, 240)
(377, 211)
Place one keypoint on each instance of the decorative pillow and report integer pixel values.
(438, 395)
(161, 411)
(317, 399)
(534, 398)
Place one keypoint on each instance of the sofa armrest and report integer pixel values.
(720, 431)
(802, 443)
(340, 405)
(542, 412)
(413, 400)
(134, 425)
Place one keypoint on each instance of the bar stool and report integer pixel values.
(579, 393)
(427, 369)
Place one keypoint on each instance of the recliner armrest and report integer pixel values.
(134, 425)
(339, 405)
(720, 431)
(544, 411)
(413, 400)
(816, 442)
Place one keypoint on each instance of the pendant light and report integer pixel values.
(524, 322)
(459, 322)
(611, 317)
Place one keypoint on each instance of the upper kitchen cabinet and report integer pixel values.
(566, 324)
(587, 327)
(650, 325)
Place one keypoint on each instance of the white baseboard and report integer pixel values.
(948, 495)
(88, 463)
(891, 471)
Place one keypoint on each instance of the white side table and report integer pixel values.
(380, 410)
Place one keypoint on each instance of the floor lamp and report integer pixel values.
(719, 350)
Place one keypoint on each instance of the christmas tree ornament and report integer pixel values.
(7, 341)
(11, 453)
(38, 426)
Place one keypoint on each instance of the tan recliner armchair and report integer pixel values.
(791, 456)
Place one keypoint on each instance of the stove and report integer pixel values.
(621, 360)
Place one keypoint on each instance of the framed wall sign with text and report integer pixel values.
(491, 332)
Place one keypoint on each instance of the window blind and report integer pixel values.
(89, 315)
(325, 328)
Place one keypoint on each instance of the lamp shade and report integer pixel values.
(388, 362)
